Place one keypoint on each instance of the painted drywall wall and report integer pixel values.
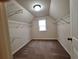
(70, 30)
(63, 29)
(60, 10)
(20, 35)
(19, 21)
(74, 27)
(74, 17)
(51, 32)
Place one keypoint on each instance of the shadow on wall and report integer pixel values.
(4, 0)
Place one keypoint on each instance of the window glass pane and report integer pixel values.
(42, 22)
(42, 25)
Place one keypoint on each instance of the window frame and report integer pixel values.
(39, 26)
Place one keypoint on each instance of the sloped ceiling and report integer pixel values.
(17, 13)
(54, 8)
(59, 8)
(28, 4)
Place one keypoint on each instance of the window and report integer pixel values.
(42, 25)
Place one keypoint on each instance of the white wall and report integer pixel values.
(70, 30)
(20, 35)
(74, 17)
(74, 27)
(64, 33)
(51, 32)
(60, 10)
(19, 25)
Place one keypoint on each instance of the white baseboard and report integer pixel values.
(44, 38)
(13, 52)
(64, 46)
(75, 47)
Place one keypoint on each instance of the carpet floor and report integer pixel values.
(42, 50)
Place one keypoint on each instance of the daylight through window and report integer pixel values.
(42, 25)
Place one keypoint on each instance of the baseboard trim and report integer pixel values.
(44, 38)
(64, 47)
(20, 47)
(75, 46)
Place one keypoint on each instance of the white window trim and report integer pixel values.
(43, 23)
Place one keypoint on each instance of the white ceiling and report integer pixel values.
(28, 4)
(59, 8)
(53, 8)
(17, 13)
